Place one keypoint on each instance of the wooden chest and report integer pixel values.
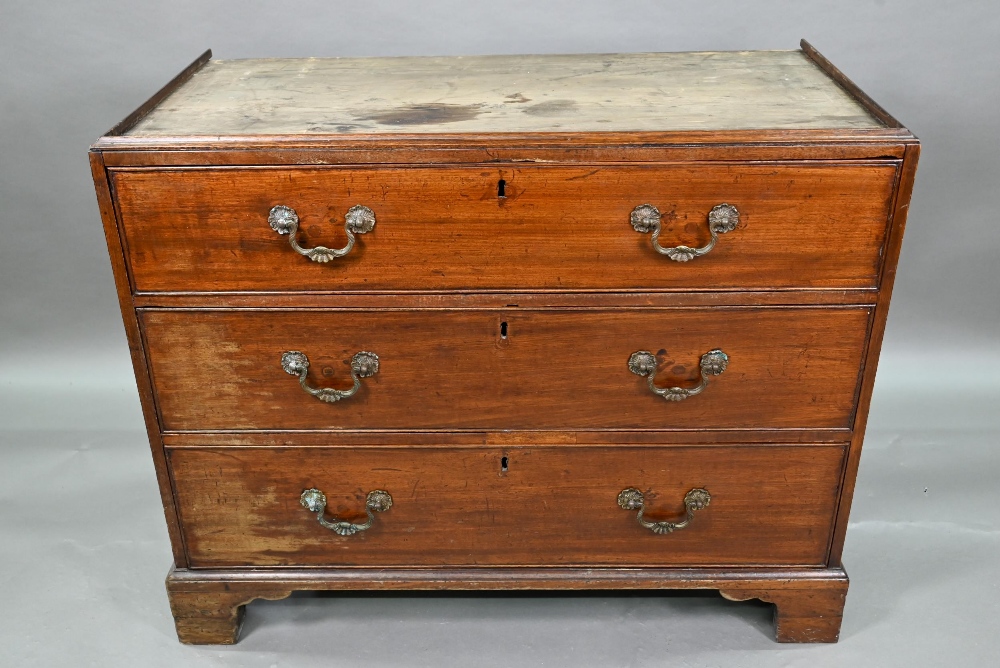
(511, 322)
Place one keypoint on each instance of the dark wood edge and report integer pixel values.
(900, 209)
(542, 577)
(208, 605)
(130, 121)
(489, 141)
(860, 384)
(523, 309)
(852, 89)
(152, 378)
(504, 301)
(886, 236)
(503, 439)
(889, 221)
(373, 155)
(137, 352)
(831, 163)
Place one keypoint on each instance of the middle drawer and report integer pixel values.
(677, 368)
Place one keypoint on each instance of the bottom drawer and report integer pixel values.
(541, 506)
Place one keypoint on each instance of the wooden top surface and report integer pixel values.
(639, 92)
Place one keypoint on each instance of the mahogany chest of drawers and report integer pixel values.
(509, 322)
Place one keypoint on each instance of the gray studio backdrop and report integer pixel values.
(69, 70)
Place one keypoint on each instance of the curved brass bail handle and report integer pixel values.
(358, 220)
(721, 219)
(377, 501)
(632, 499)
(643, 363)
(363, 365)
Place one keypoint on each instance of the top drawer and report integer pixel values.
(800, 225)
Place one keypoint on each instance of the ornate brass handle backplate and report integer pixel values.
(377, 501)
(632, 499)
(358, 220)
(643, 363)
(363, 365)
(721, 219)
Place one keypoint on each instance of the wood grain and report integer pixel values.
(507, 93)
(604, 148)
(144, 386)
(797, 295)
(552, 506)
(206, 617)
(806, 610)
(901, 208)
(851, 88)
(445, 228)
(564, 370)
(807, 614)
(349, 438)
(504, 300)
(154, 101)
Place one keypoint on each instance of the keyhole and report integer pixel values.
(503, 464)
(503, 329)
(501, 188)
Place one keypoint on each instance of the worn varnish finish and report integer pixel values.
(801, 226)
(350, 438)
(138, 355)
(797, 295)
(208, 605)
(788, 368)
(578, 93)
(542, 506)
(901, 208)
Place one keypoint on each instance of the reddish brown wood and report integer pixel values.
(350, 438)
(823, 218)
(551, 506)
(820, 138)
(564, 370)
(129, 121)
(532, 149)
(802, 225)
(428, 579)
(143, 384)
(900, 209)
(807, 598)
(806, 614)
(214, 615)
(873, 107)
(510, 300)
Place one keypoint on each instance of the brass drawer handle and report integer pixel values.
(363, 365)
(314, 501)
(643, 363)
(632, 499)
(721, 219)
(358, 220)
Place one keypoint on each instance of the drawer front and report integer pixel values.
(767, 505)
(790, 367)
(801, 225)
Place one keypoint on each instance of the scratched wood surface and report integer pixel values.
(820, 173)
(788, 368)
(537, 93)
(552, 506)
(208, 603)
(802, 225)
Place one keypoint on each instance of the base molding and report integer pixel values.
(208, 604)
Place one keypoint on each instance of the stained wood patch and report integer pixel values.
(543, 93)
